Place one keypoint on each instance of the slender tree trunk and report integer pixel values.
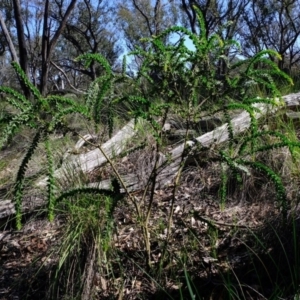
(21, 36)
(23, 53)
(48, 46)
(45, 46)
(11, 46)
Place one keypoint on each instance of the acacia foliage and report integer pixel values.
(171, 77)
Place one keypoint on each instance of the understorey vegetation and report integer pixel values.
(191, 191)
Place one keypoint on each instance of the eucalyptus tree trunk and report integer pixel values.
(22, 59)
(49, 45)
(11, 46)
(23, 53)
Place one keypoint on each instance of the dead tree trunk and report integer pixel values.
(169, 164)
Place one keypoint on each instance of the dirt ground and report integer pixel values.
(213, 239)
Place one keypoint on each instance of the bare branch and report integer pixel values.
(66, 76)
(144, 16)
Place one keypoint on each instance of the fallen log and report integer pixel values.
(169, 164)
(239, 124)
(93, 159)
(87, 162)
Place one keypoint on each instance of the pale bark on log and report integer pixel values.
(239, 124)
(169, 164)
(87, 162)
(83, 140)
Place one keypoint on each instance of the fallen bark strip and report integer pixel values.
(169, 165)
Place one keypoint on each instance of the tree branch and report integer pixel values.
(144, 15)
(65, 75)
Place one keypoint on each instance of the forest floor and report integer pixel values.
(242, 244)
